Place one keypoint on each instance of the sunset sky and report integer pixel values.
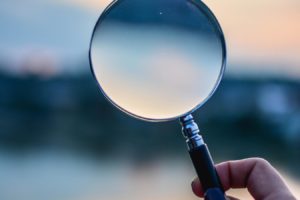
(261, 35)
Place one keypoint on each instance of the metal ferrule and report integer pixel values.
(191, 132)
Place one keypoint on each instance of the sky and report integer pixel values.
(262, 35)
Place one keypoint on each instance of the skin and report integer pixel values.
(257, 175)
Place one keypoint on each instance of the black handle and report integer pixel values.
(214, 194)
(207, 173)
(202, 161)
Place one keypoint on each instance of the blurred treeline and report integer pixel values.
(246, 117)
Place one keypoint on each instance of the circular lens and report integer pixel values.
(157, 59)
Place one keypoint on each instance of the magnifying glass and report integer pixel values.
(160, 60)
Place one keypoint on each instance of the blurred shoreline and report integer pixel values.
(246, 117)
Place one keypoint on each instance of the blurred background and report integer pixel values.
(60, 139)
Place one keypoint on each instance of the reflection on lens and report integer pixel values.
(157, 59)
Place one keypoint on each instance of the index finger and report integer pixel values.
(255, 174)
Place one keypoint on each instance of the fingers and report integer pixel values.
(256, 174)
(197, 187)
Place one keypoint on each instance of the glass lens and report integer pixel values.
(157, 59)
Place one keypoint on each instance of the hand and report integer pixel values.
(257, 175)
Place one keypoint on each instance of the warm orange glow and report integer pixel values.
(258, 32)
(90, 4)
(262, 30)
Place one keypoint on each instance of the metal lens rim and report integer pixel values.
(220, 33)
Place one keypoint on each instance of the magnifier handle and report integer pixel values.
(202, 160)
(207, 173)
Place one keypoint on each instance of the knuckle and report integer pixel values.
(262, 162)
